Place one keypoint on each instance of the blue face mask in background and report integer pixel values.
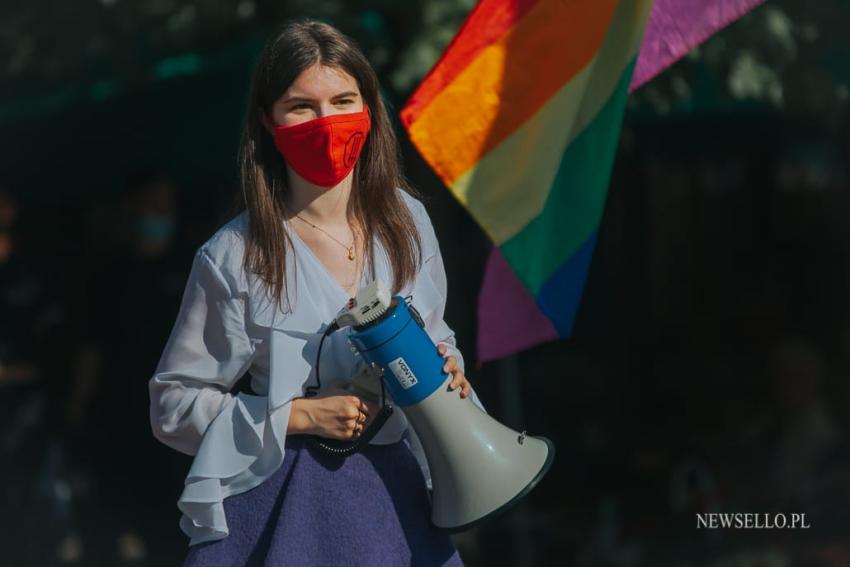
(156, 228)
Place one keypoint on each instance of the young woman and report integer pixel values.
(325, 211)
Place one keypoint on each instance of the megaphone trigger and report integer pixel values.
(367, 383)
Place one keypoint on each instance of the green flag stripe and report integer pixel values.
(575, 204)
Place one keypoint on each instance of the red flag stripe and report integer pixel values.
(487, 22)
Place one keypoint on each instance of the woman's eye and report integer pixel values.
(299, 106)
(345, 101)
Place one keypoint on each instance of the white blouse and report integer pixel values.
(227, 326)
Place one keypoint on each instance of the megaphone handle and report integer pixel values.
(341, 448)
(414, 314)
(313, 390)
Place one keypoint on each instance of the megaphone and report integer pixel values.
(479, 467)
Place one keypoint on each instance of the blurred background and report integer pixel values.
(710, 366)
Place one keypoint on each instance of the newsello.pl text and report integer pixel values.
(751, 521)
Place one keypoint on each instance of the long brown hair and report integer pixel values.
(375, 204)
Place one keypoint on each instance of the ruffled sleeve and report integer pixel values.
(207, 352)
(237, 440)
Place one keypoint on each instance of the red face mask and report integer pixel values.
(323, 151)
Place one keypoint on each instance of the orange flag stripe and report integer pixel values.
(490, 20)
(492, 97)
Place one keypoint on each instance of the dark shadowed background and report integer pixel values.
(710, 367)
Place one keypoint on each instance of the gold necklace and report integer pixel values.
(350, 249)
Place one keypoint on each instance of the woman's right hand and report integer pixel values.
(333, 413)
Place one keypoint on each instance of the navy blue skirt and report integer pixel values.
(368, 509)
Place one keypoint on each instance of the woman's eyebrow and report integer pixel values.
(298, 98)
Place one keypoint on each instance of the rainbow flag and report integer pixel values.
(520, 118)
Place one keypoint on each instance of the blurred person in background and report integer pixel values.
(33, 485)
(130, 303)
(21, 389)
(805, 428)
(20, 290)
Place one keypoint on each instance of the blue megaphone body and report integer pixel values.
(399, 345)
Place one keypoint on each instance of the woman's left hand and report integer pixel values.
(458, 378)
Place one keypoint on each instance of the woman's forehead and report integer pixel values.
(321, 81)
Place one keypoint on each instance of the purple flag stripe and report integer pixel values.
(508, 318)
(677, 26)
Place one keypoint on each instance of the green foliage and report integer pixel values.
(788, 55)
(120, 43)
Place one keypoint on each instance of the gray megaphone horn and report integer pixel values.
(479, 467)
